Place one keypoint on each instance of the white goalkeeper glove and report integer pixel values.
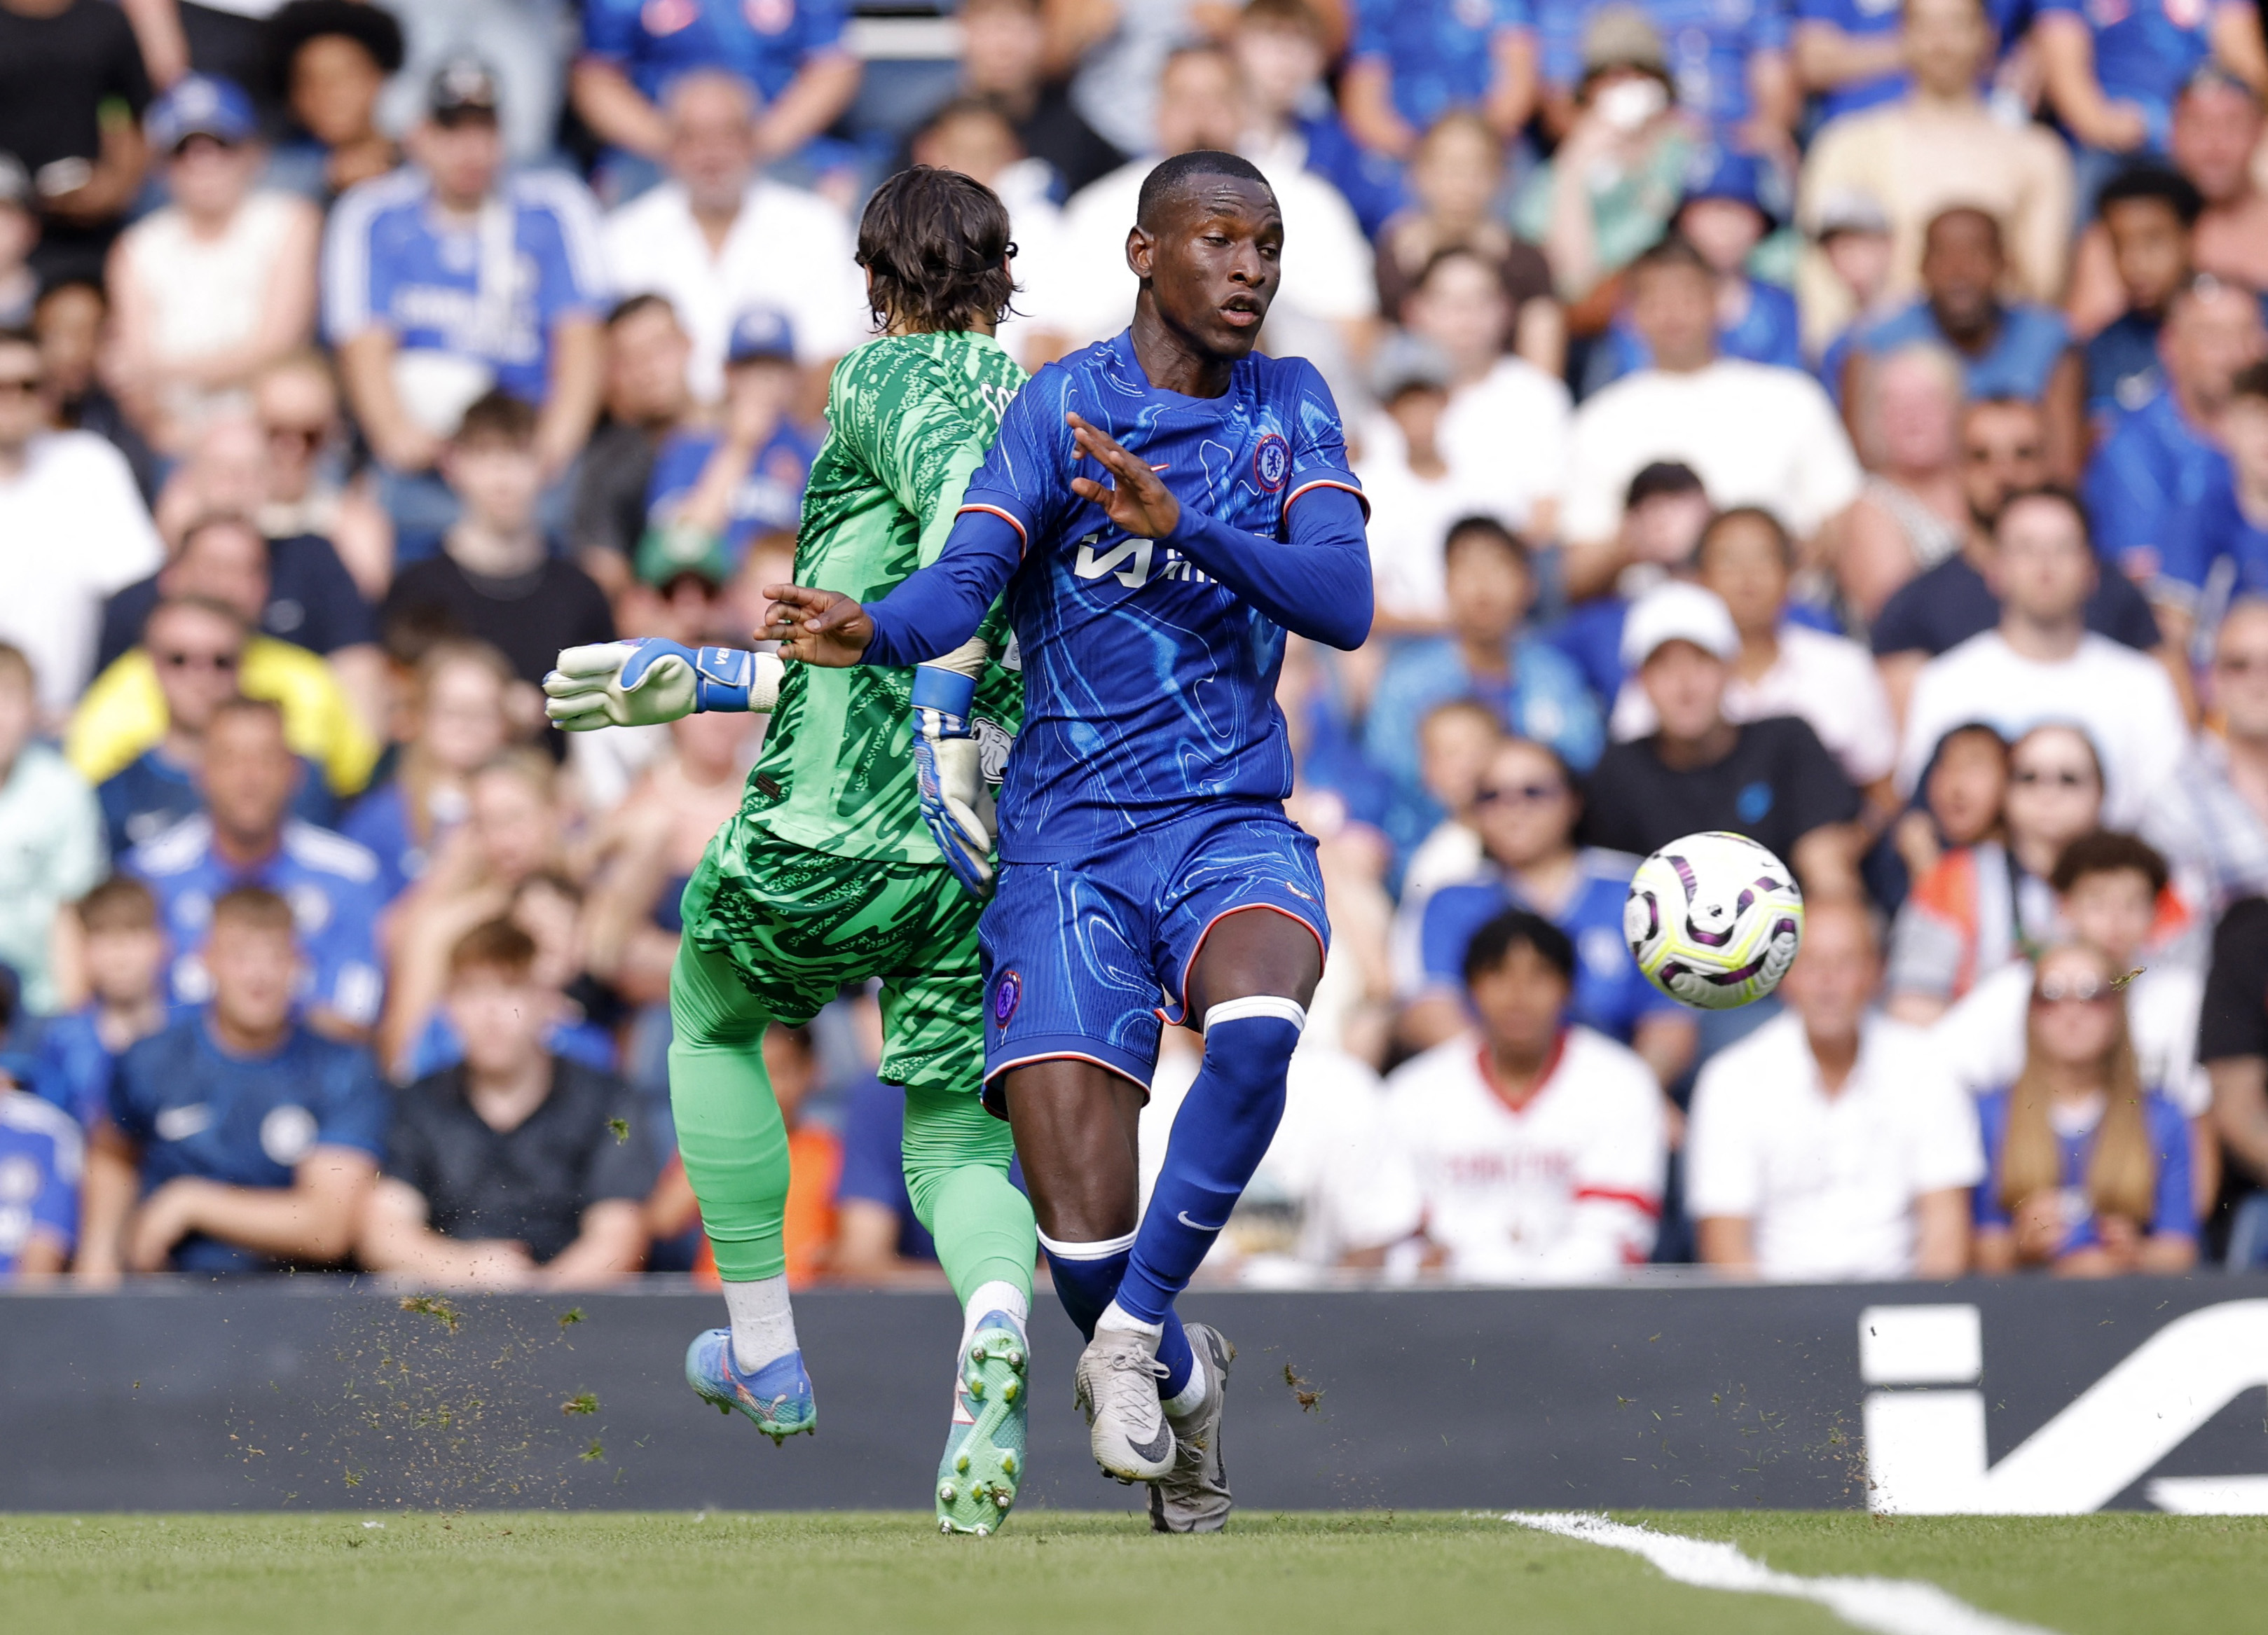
(645, 681)
(949, 776)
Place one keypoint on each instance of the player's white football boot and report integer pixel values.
(1193, 1496)
(984, 1462)
(1116, 1384)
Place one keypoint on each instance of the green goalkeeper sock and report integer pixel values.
(729, 1128)
(956, 1159)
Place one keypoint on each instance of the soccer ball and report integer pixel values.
(1714, 920)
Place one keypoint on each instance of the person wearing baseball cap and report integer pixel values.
(1771, 780)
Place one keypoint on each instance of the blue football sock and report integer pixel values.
(1220, 1135)
(1087, 1279)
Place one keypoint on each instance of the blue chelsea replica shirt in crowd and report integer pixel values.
(766, 42)
(769, 499)
(41, 1156)
(490, 291)
(1710, 43)
(2021, 361)
(1860, 19)
(2145, 50)
(194, 1109)
(1437, 52)
(331, 883)
(2153, 467)
(2213, 553)
(1149, 684)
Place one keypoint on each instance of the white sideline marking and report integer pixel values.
(1888, 1606)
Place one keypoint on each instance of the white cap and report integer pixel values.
(1678, 612)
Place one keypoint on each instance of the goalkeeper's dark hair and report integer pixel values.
(1493, 942)
(936, 245)
(1169, 178)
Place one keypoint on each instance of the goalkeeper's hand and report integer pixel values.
(949, 774)
(647, 681)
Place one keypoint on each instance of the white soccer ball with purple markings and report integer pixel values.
(1714, 920)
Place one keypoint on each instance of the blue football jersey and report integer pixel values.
(766, 42)
(1149, 687)
(769, 499)
(1708, 44)
(41, 1158)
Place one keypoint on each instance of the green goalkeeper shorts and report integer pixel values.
(798, 926)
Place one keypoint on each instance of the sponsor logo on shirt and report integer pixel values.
(1130, 561)
(286, 1133)
(19, 1179)
(179, 1124)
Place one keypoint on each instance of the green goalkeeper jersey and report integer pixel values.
(909, 418)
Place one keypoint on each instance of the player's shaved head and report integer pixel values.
(1185, 175)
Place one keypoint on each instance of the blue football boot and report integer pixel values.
(777, 1397)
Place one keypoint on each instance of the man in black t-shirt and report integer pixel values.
(516, 1167)
(60, 61)
(647, 398)
(1771, 780)
(2233, 1045)
(2003, 452)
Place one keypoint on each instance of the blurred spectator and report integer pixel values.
(61, 62)
(1504, 434)
(1414, 492)
(2043, 663)
(1959, 804)
(1328, 300)
(195, 654)
(1664, 510)
(1988, 901)
(970, 135)
(459, 721)
(745, 477)
(525, 42)
(296, 402)
(1526, 807)
(120, 951)
(51, 845)
(2232, 1043)
(42, 1157)
(789, 53)
(1940, 146)
(1831, 1144)
(71, 323)
(548, 907)
(516, 1169)
(496, 579)
(2111, 78)
(1529, 1149)
(1783, 668)
(245, 838)
(2217, 128)
(1455, 742)
(1626, 156)
(1282, 47)
(20, 231)
(2164, 451)
(1755, 435)
(2088, 1166)
(223, 561)
(1730, 64)
(877, 1241)
(1771, 780)
(1413, 60)
(2003, 453)
(2112, 894)
(453, 278)
(328, 62)
(1905, 413)
(1532, 688)
(72, 528)
(1003, 60)
(709, 238)
(2022, 350)
(1852, 232)
(1115, 52)
(2216, 539)
(2210, 819)
(647, 398)
(219, 283)
(236, 1139)
(1456, 174)
(2149, 217)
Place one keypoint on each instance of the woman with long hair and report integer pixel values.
(2088, 1169)
(460, 720)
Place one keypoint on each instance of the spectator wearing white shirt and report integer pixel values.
(1830, 1145)
(2210, 819)
(1527, 1151)
(1505, 435)
(1415, 495)
(2042, 664)
(1783, 668)
(718, 238)
(1756, 434)
(72, 530)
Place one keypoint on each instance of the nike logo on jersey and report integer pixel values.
(1182, 1216)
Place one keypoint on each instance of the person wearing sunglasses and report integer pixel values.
(2088, 1168)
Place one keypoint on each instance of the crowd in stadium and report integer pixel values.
(1842, 423)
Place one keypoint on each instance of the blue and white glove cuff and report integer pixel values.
(947, 692)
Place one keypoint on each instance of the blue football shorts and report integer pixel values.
(1089, 959)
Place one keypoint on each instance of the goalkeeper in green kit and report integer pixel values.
(827, 878)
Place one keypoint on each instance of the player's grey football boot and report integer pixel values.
(1193, 1496)
(1116, 1384)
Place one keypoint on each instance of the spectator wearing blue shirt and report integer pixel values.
(2087, 1170)
(122, 951)
(1280, 47)
(2217, 544)
(1531, 687)
(2021, 350)
(2166, 454)
(1412, 61)
(1526, 807)
(2112, 70)
(246, 837)
(790, 52)
(746, 476)
(2149, 216)
(1849, 54)
(1665, 512)
(41, 1156)
(446, 280)
(236, 1139)
(460, 723)
(1728, 62)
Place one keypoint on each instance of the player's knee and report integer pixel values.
(1251, 1040)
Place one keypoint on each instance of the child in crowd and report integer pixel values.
(461, 719)
(122, 955)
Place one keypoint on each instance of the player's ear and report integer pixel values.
(1141, 252)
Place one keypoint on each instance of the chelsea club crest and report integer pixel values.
(1271, 462)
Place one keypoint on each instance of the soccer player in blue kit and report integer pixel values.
(1159, 509)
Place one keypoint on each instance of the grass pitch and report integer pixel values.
(560, 1574)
